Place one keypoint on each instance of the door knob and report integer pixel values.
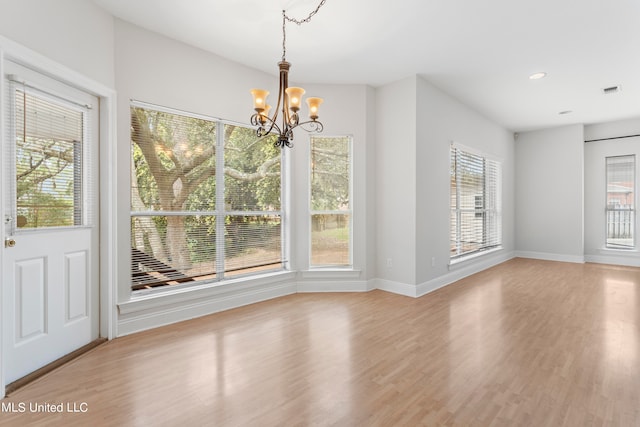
(9, 242)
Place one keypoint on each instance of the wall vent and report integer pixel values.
(611, 89)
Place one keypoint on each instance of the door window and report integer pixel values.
(48, 153)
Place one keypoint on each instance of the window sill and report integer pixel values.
(151, 299)
(462, 261)
(632, 251)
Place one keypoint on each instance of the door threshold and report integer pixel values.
(19, 383)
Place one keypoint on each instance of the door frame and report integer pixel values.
(10, 50)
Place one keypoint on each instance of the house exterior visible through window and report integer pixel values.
(330, 201)
(620, 208)
(205, 199)
(476, 185)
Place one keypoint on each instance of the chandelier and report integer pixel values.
(289, 100)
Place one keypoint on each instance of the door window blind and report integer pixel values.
(51, 141)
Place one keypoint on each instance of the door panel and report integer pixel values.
(30, 288)
(76, 273)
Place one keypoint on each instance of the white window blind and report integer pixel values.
(620, 208)
(51, 140)
(205, 199)
(475, 203)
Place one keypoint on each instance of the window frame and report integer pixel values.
(313, 212)
(496, 212)
(220, 212)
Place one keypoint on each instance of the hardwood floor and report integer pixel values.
(530, 343)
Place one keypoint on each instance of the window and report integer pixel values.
(330, 177)
(205, 199)
(620, 208)
(49, 152)
(476, 223)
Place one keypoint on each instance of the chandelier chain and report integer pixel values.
(286, 18)
(308, 18)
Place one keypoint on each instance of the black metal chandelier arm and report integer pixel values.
(285, 139)
(265, 124)
(311, 126)
(293, 120)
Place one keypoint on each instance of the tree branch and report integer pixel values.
(261, 172)
(164, 178)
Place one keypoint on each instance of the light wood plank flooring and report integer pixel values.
(526, 343)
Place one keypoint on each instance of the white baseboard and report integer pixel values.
(627, 261)
(463, 270)
(580, 259)
(334, 286)
(396, 287)
(172, 312)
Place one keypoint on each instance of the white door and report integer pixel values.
(50, 271)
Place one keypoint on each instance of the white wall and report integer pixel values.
(75, 33)
(616, 129)
(441, 120)
(416, 124)
(343, 112)
(395, 184)
(549, 194)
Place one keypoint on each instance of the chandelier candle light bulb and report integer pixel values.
(259, 99)
(289, 100)
(294, 96)
(313, 104)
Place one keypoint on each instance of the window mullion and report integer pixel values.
(220, 204)
(458, 210)
(485, 218)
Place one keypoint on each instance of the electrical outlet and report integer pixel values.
(389, 263)
(433, 261)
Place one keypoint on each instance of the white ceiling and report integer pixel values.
(480, 52)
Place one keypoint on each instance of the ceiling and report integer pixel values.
(480, 52)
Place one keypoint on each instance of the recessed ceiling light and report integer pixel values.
(536, 76)
(566, 112)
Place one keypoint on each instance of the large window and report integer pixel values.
(476, 223)
(205, 199)
(620, 209)
(330, 177)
